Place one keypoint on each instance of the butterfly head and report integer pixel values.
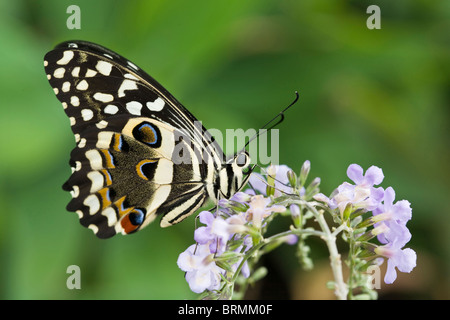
(235, 173)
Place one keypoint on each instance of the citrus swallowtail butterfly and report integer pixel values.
(131, 135)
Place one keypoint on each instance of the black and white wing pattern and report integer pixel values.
(126, 167)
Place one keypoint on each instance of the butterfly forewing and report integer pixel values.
(125, 126)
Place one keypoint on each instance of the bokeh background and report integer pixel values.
(372, 97)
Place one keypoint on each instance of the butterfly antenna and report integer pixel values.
(279, 115)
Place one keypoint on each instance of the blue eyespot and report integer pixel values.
(136, 217)
(148, 134)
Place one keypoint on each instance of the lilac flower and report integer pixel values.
(259, 210)
(259, 183)
(281, 183)
(362, 195)
(403, 259)
(394, 216)
(201, 271)
(218, 230)
(213, 233)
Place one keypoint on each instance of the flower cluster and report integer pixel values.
(233, 237)
(225, 237)
(389, 219)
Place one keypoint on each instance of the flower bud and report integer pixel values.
(292, 177)
(374, 232)
(304, 171)
(237, 206)
(270, 191)
(313, 188)
(295, 214)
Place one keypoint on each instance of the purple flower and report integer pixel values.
(202, 273)
(281, 184)
(218, 230)
(212, 233)
(403, 259)
(259, 183)
(259, 210)
(394, 216)
(362, 195)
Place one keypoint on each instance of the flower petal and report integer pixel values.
(389, 196)
(257, 182)
(206, 217)
(391, 273)
(202, 235)
(185, 261)
(355, 172)
(407, 261)
(373, 176)
(402, 211)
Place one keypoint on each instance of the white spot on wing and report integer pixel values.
(67, 56)
(76, 72)
(111, 109)
(75, 192)
(94, 228)
(127, 85)
(110, 214)
(82, 143)
(102, 124)
(104, 67)
(103, 97)
(104, 139)
(82, 85)
(87, 114)
(66, 86)
(156, 105)
(131, 64)
(93, 204)
(90, 73)
(59, 73)
(79, 213)
(97, 180)
(130, 76)
(134, 107)
(95, 159)
(74, 101)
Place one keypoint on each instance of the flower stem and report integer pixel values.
(341, 289)
(329, 237)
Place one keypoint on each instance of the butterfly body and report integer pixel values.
(139, 153)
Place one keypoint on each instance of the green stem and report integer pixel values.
(341, 289)
(266, 241)
(351, 266)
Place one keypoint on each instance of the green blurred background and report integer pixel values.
(372, 97)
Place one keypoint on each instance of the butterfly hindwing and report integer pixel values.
(125, 124)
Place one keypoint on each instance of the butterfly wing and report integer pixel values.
(125, 126)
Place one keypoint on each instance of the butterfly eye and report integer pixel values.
(242, 160)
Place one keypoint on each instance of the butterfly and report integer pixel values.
(140, 154)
